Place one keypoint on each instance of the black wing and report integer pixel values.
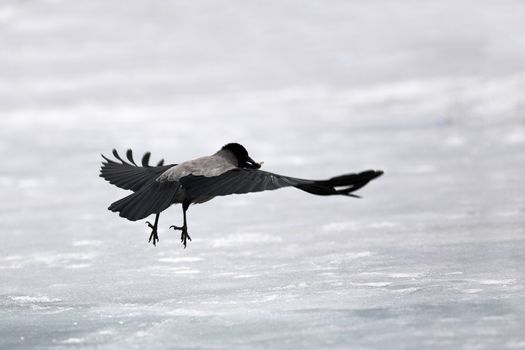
(240, 180)
(130, 176)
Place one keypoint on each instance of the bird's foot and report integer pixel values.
(153, 237)
(184, 236)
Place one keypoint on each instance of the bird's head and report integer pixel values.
(243, 159)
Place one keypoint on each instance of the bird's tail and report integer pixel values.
(343, 185)
(151, 199)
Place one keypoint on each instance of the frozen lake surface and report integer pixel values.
(431, 257)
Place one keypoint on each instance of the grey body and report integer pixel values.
(208, 166)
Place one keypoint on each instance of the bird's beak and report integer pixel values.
(250, 163)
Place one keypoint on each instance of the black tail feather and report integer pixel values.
(151, 199)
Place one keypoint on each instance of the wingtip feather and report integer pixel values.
(145, 159)
(129, 155)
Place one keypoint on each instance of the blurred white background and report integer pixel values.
(431, 92)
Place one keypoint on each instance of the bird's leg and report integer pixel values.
(184, 236)
(153, 237)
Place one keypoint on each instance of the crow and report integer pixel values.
(229, 171)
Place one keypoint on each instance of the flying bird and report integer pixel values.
(228, 171)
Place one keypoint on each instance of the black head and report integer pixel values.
(242, 156)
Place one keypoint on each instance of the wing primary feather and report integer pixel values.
(128, 176)
(145, 159)
(107, 159)
(115, 153)
(129, 155)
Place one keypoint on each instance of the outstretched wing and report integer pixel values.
(130, 176)
(241, 180)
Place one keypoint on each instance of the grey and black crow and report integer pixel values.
(228, 171)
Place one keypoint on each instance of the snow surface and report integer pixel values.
(433, 93)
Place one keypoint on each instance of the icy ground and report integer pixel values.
(433, 93)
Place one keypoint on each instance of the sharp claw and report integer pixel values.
(184, 236)
(153, 237)
(155, 240)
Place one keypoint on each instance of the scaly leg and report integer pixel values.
(153, 237)
(184, 236)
